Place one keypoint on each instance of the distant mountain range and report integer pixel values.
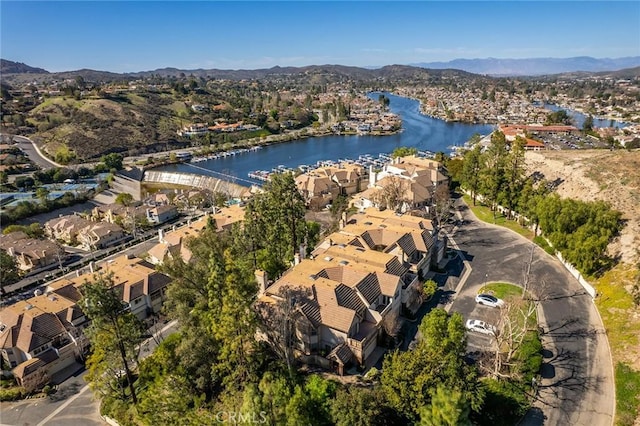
(16, 72)
(534, 66)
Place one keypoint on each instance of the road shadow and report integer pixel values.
(547, 371)
(534, 417)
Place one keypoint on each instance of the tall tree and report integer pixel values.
(114, 333)
(9, 272)
(277, 219)
(448, 408)
(409, 378)
(493, 174)
(514, 174)
(471, 171)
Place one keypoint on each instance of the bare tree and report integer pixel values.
(442, 204)
(282, 322)
(393, 194)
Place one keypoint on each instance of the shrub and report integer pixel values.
(12, 394)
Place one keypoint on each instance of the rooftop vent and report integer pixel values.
(368, 223)
(344, 262)
(328, 258)
(313, 277)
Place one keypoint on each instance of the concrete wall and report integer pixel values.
(194, 181)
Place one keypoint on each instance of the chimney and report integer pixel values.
(92, 266)
(343, 220)
(160, 235)
(303, 251)
(262, 279)
(10, 251)
(296, 259)
(372, 176)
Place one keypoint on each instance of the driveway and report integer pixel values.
(577, 386)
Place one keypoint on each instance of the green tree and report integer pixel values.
(492, 175)
(514, 175)
(124, 199)
(277, 217)
(587, 126)
(473, 164)
(64, 155)
(357, 406)
(114, 333)
(9, 272)
(113, 161)
(403, 151)
(43, 195)
(409, 378)
(447, 408)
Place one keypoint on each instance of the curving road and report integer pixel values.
(33, 152)
(577, 386)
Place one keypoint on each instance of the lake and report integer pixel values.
(419, 131)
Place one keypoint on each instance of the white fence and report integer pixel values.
(572, 269)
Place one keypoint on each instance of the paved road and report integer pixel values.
(34, 154)
(577, 379)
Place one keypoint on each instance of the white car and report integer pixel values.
(481, 327)
(489, 300)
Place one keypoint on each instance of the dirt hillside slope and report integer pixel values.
(588, 175)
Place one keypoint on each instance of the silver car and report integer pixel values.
(481, 327)
(489, 300)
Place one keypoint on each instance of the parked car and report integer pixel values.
(489, 300)
(481, 327)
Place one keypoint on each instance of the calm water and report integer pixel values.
(420, 131)
(578, 118)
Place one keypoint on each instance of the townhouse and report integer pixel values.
(42, 335)
(30, 253)
(174, 244)
(354, 286)
(88, 235)
(404, 184)
(321, 186)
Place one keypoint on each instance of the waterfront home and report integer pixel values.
(403, 184)
(321, 186)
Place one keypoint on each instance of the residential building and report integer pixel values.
(44, 334)
(30, 253)
(89, 235)
(175, 243)
(100, 235)
(321, 186)
(412, 180)
(349, 294)
(161, 214)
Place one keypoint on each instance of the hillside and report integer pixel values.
(127, 123)
(611, 176)
(10, 67)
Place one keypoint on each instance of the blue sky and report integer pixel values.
(124, 36)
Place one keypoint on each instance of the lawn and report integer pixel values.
(485, 214)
